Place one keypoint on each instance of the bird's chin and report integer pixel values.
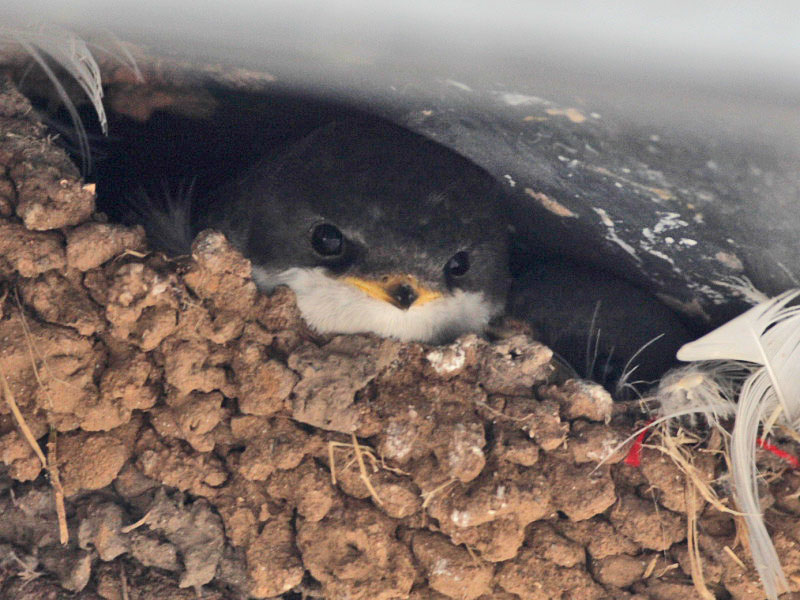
(330, 305)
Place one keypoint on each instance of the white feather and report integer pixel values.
(752, 409)
(74, 56)
(71, 53)
(767, 335)
(740, 338)
(708, 388)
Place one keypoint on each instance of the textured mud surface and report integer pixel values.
(208, 443)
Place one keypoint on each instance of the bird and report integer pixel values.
(380, 230)
(376, 230)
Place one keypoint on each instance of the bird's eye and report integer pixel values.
(327, 240)
(458, 265)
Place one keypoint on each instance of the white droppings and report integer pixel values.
(662, 256)
(607, 448)
(611, 234)
(447, 360)
(397, 441)
(440, 567)
(512, 99)
(510, 180)
(457, 84)
(708, 292)
(668, 221)
(460, 518)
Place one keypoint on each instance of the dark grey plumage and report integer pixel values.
(597, 322)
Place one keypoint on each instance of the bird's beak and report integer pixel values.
(401, 291)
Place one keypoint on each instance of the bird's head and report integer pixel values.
(377, 230)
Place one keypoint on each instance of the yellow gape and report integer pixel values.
(386, 289)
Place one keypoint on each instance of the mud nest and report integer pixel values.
(197, 438)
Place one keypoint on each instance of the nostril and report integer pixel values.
(403, 294)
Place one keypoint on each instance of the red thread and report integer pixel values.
(634, 457)
(791, 459)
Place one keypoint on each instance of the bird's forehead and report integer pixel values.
(424, 256)
(409, 218)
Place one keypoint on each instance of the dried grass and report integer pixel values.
(359, 452)
(49, 463)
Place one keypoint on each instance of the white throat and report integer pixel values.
(332, 306)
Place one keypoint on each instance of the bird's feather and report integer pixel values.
(768, 334)
(707, 388)
(74, 56)
(166, 216)
(768, 337)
